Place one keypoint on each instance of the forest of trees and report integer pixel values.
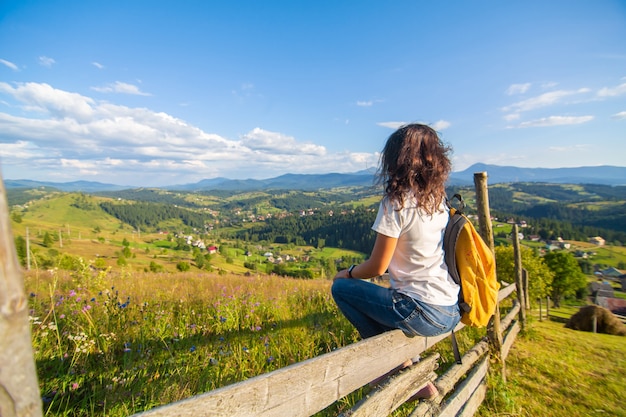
(150, 215)
(343, 229)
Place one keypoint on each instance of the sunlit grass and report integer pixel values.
(117, 344)
(554, 371)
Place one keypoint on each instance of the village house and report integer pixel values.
(597, 240)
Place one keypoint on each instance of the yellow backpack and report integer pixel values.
(471, 264)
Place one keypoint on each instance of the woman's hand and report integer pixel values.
(341, 274)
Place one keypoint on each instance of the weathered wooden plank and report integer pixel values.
(505, 291)
(471, 406)
(397, 390)
(446, 382)
(19, 389)
(506, 321)
(509, 339)
(307, 387)
(465, 390)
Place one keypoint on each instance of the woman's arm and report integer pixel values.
(378, 261)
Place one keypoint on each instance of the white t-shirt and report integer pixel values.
(417, 267)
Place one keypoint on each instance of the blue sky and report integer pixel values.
(154, 93)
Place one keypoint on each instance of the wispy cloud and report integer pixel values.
(543, 100)
(121, 88)
(556, 121)
(619, 116)
(368, 103)
(9, 64)
(46, 61)
(517, 89)
(571, 148)
(612, 91)
(391, 125)
(438, 125)
(97, 65)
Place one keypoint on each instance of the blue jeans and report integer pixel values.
(373, 309)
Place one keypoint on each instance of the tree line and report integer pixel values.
(343, 229)
(151, 215)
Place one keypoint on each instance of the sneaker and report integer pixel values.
(427, 392)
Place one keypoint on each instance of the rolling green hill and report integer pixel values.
(155, 224)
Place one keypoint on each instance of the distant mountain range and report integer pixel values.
(606, 175)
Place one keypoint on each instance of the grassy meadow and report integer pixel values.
(113, 344)
(116, 344)
(558, 372)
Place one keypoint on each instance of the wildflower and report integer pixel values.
(72, 293)
(32, 294)
(74, 386)
(62, 316)
(270, 359)
(192, 349)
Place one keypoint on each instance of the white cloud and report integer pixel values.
(612, 91)
(263, 140)
(438, 125)
(43, 98)
(97, 65)
(517, 89)
(46, 61)
(365, 103)
(392, 125)
(512, 116)
(556, 121)
(619, 116)
(68, 135)
(571, 148)
(9, 64)
(543, 100)
(120, 87)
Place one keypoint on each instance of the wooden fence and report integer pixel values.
(301, 389)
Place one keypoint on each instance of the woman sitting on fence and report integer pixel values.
(422, 297)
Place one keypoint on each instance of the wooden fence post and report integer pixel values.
(526, 292)
(19, 389)
(486, 232)
(517, 252)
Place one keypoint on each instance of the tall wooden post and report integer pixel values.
(27, 250)
(486, 232)
(517, 252)
(19, 389)
(526, 292)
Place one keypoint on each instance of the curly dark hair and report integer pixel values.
(415, 161)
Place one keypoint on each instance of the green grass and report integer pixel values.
(115, 344)
(554, 371)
